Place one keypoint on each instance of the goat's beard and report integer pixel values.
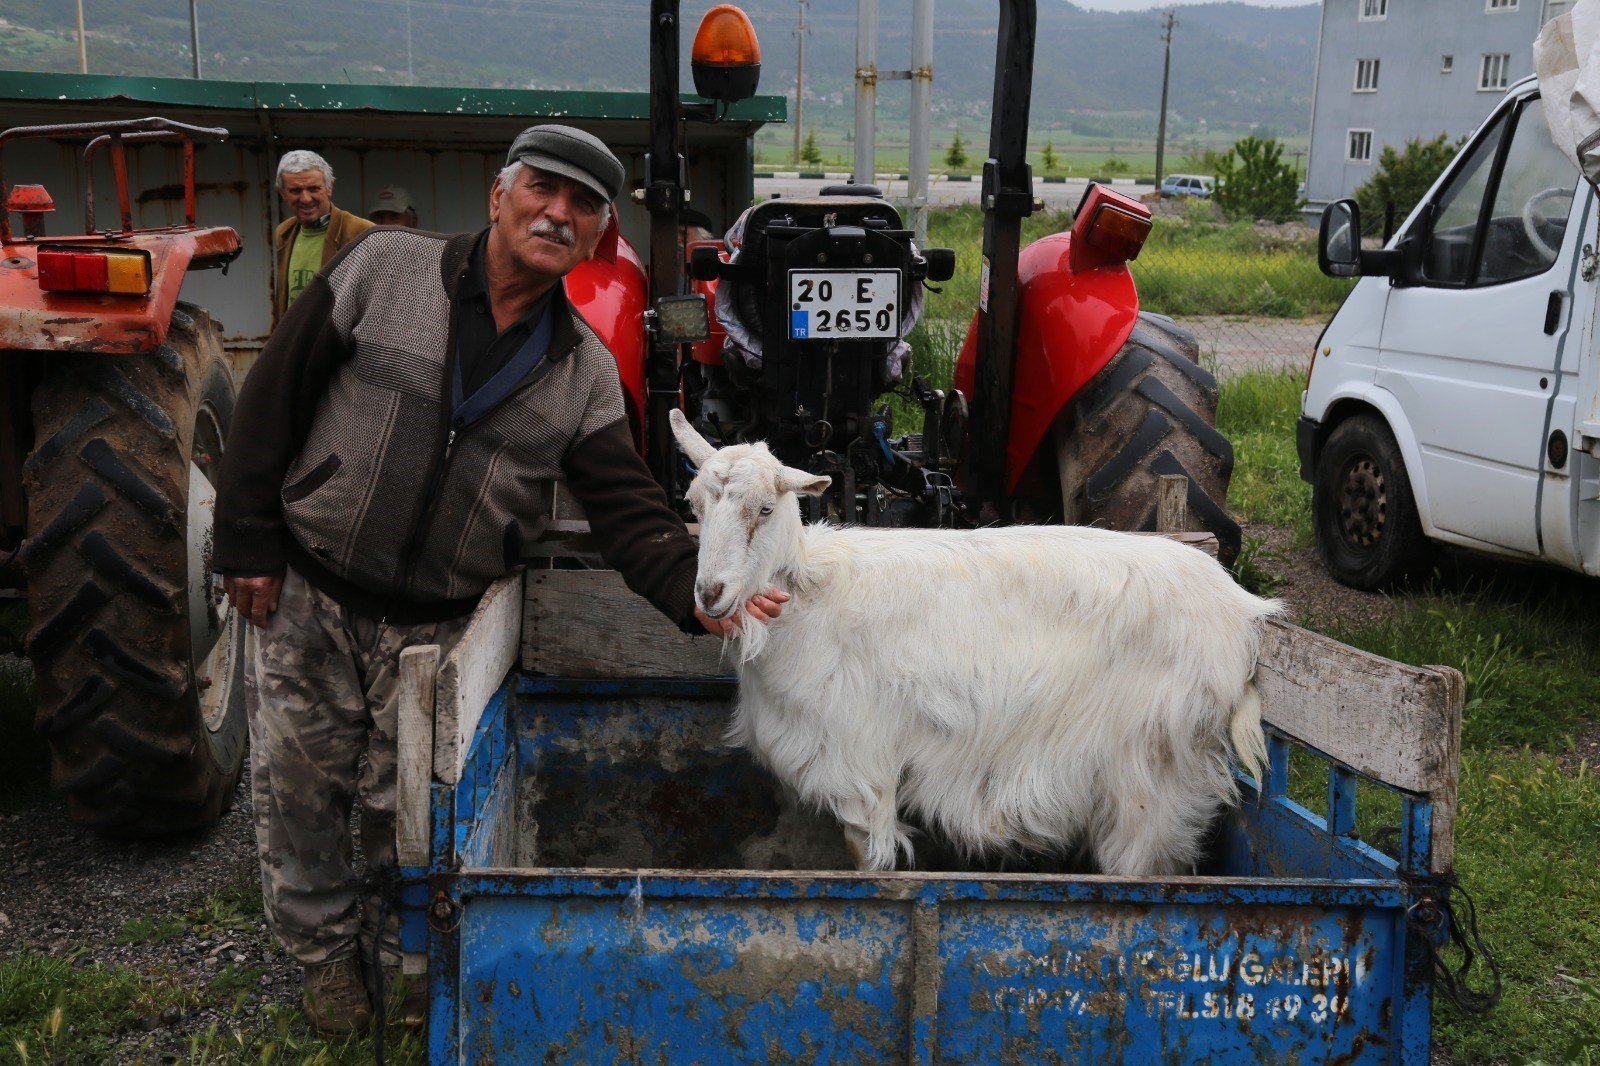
(752, 635)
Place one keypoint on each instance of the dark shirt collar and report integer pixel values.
(474, 284)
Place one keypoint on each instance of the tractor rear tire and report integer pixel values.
(1151, 411)
(138, 659)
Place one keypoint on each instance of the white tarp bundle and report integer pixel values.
(1566, 56)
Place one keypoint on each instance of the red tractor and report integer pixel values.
(116, 400)
(1068, 401)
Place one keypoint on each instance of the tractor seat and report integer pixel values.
(748, 234)
(871, 191)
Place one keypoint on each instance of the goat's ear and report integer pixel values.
(696, 447)
(802, 483)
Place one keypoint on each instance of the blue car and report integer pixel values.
(1181, 185)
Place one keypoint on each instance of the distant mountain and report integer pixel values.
(1233, 65)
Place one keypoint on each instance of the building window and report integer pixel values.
(1366, 76)
(1447, 64)
(1359, 147)
(1502, 5)
(1493, 71)
(1374, 9)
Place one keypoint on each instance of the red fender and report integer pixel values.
(611, 292)
(1070, 325)
(34, 320)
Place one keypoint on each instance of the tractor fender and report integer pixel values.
(1070, 325)
(611, 294)
(34, 320)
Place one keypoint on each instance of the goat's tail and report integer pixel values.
(1249, 744)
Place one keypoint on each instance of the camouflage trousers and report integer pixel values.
(322, 685)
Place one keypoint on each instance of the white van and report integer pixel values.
(1454, 396)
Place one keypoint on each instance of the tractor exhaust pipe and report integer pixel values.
(664, 180)
(1007, 200)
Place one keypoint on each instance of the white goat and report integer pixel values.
(1022, 689)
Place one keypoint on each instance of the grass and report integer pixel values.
(53, 1010)
(1194, 265)
(1191, 265)
(1528, 830)
(1257, 412)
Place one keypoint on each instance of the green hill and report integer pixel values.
(1096, 73)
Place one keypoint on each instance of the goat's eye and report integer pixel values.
(766, 510)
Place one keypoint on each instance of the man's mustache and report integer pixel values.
(555, 231)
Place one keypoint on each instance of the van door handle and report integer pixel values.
(1552, 312)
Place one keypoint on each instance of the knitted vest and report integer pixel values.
(380, 494)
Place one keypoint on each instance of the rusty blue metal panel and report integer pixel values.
(1294, 948)
(851, 968)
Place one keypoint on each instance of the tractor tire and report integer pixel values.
(137, 657)
(1151, 411)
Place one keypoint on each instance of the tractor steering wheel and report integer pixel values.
(1533, 217)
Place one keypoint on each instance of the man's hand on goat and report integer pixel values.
(254, 597)
(762, 608)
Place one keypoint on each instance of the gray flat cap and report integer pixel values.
(572, 153)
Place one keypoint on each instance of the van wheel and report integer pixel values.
(1368, 532)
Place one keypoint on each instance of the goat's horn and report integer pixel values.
(696, 447)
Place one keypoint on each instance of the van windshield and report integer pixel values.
(1529, 198)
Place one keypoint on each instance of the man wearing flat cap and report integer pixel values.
(392, 450)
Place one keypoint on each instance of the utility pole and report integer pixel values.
(1166, 73)
(194, 34)
(800, 31)
(921, 117)
(83, 47)
(865, 170)
(411, 77)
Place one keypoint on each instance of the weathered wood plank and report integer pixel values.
(473, 671)
(1206, 542)
(419, 669)
(587, 623)
(1395, 723)
(1172, 503)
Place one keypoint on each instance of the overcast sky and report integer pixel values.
(1145, 5)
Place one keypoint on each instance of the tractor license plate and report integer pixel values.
(843, 304)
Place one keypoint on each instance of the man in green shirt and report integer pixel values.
(315, 230)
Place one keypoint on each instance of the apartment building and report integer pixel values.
(1389, 71)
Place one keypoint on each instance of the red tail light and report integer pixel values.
(123, 272)
(1109, 228)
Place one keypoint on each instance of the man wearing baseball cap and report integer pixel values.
(392, 450)
(393, 207)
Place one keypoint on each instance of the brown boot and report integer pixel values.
(336, 997)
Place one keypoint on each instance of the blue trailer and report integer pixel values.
(592, 876)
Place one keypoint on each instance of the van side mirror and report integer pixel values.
(1339, 251)
(1339, 240)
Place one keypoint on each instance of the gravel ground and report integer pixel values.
(68, 891)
